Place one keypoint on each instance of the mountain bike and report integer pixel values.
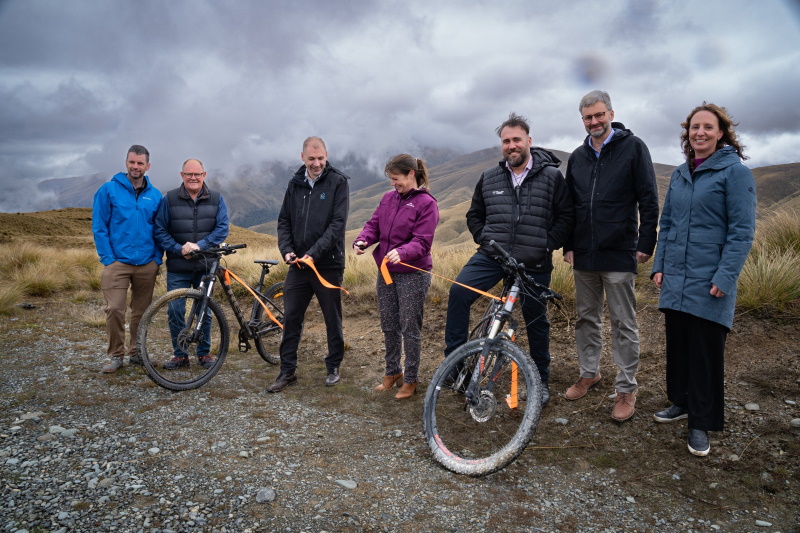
(483, 403)
(189, 324)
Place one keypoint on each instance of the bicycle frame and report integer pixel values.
(219, 273)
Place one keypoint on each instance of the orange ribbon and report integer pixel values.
(387, 278)
(513, 398)
(310, 263)
(246, 286)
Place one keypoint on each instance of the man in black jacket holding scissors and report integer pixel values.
(311, 226)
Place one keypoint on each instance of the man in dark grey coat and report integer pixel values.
(613, 187)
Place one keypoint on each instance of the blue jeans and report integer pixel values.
(177, 312)
(483, 272)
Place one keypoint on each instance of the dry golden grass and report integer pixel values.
(770, 280)
(10, 297)
(779, 232)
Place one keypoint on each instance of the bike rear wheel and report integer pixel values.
(165, 332)
(269, 334)
(484, 438)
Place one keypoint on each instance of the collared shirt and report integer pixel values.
(608, 139)
(519, 178)
(311, 181)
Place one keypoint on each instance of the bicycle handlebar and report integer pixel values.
(514, 267)
(222, 249)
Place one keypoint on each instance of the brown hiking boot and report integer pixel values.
(624, 407)
(389, 382)
(581, 387)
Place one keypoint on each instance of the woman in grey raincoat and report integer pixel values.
(705, 234)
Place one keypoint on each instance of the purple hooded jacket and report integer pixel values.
(406, 223)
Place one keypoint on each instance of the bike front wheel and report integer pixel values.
(482, 436)
(269, 334)
(176, 354)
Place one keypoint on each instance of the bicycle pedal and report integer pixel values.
(244, 344)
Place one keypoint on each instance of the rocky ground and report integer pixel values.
(83, 451)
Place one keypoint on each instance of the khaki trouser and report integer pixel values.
(114, 282)
(621, 295)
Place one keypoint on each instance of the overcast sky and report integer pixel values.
(238, 82)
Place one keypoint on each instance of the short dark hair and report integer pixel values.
(514, 121)
(138, 149)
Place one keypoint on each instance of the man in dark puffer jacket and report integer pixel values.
(190, 218)
(523, 205)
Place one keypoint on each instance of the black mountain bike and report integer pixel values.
(483, 403)
(191, 324)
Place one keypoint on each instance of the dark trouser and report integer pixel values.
(696, 368)
(177, 312)
(401, 306)
(298, 289)
(482, 272)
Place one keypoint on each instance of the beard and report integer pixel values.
(517, 159)
(598, 132)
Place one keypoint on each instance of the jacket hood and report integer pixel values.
(722, 158)
(300, 176)
(414, 192)
(620, 132)
(541, 158)
(122, 178)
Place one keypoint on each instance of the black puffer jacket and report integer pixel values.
(616, 203)
(312, 221)
(529, 221)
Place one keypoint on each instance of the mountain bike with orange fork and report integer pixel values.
(184, 335)
(483, 403)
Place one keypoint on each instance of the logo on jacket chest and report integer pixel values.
(497, 192)
(322, 196)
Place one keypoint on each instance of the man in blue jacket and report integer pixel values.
(122, 223)
(191, 218)
(613, 187)
(311, 225)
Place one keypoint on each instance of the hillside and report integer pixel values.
(72, 228)
(254, 194)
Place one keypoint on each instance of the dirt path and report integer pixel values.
(145, 458)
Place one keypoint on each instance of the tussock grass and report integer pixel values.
(93, 317)
(779, 232)
(770, 280)
(10, 297)
(41, 278)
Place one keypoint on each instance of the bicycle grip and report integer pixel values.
(499, 249)
(237, 246)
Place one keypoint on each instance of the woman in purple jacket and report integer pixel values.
(403, 227)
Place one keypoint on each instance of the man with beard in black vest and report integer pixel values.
(524, 206)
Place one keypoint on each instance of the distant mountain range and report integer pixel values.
(254, 196)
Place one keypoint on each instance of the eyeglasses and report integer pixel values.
(597, 116)
(193, 174)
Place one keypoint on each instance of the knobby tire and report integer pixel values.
(481, 441)
(155, 339)
(269, 337)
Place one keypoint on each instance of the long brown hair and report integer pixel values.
(726, 125)
(404, 163)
